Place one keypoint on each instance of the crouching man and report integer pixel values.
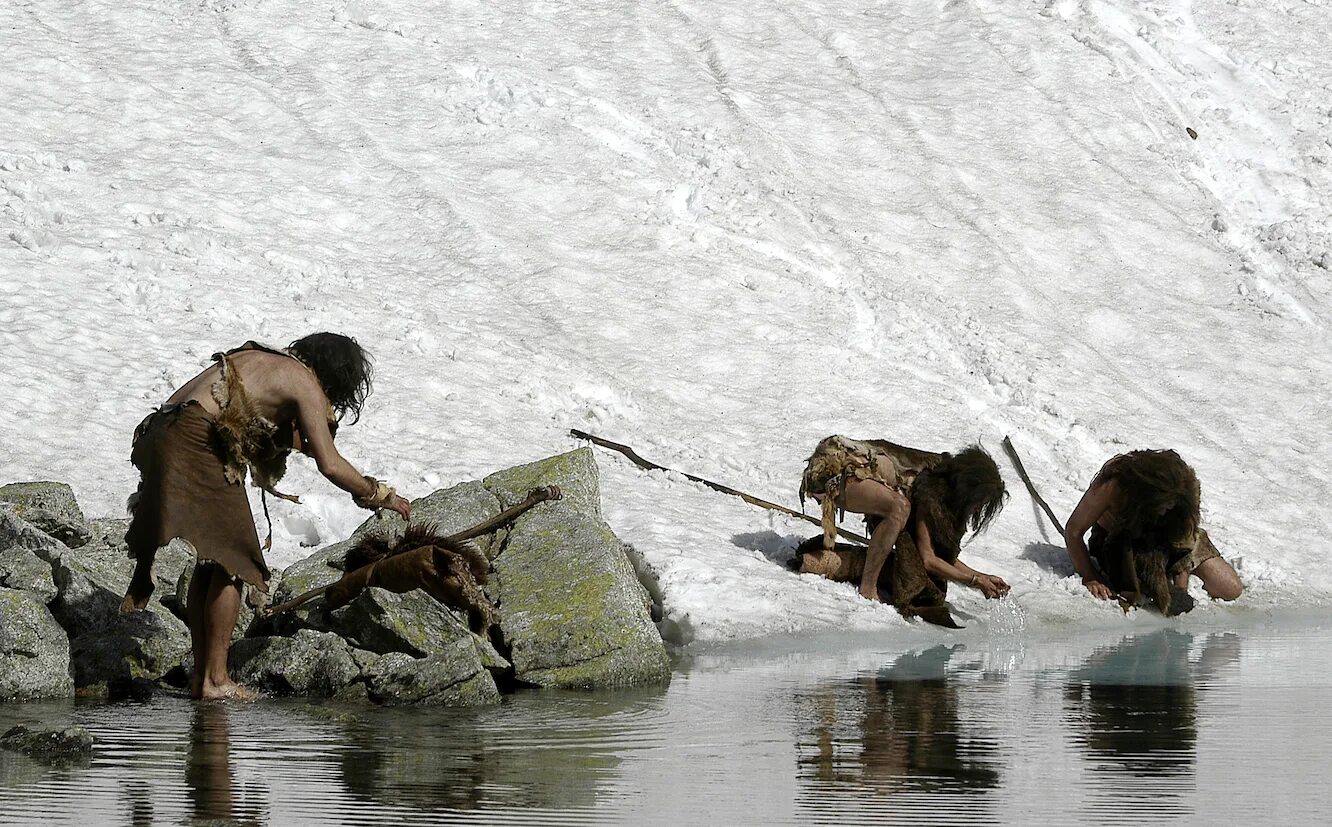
(1143, 510)
(917, 502)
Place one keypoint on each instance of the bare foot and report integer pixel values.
(870, 592)
(229, 692)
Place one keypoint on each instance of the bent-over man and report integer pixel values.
(245, 413)
(1143, 510)
(906, 494)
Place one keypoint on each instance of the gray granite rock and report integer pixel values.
(107, 648)
(573, 613)
(51, 507)
(312, 663)
(25, 555)
(452, 677)
(34, 652)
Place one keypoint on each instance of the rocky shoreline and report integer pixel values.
(573, 613)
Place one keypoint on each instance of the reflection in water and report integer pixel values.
(208, 773)
(558, 756)
(1137, 705)
(898, 732)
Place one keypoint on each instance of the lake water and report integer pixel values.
(1140, 723)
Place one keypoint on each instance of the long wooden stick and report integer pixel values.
(725, 489)
(1031, 489)
(538, 495)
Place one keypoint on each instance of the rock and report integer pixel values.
(458, 508)
(417, 625)
(313, 663)
(50, 745)
(51, 507)
(107, 648)
(572, 610)
(414, 623)
(34, 652)
(452, 677)
(22, 566)
(575, 473)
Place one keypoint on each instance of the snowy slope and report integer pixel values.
(717, 231)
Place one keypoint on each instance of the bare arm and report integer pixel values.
(1094, 503)
(317, 442)
(958, 572)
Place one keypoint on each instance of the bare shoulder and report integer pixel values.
(276, 377)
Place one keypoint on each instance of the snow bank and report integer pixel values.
(716, 231)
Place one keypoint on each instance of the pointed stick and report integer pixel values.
(749, 498)
(1031, 489)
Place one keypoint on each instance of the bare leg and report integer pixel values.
(1219, 579)
(220, 610)
(194, 618)
(877, 499)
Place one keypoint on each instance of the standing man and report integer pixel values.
(245, 413)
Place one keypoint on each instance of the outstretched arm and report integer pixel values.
(958, 572)
(1093, 504)
(317, 443)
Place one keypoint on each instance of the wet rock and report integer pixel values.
(318, 664)
(34, 652)
(51, 507)
(56, 746)
(572, 610)
(452, 677)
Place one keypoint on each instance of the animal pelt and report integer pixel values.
(903, 581)
(1141, 573)
(448, 570)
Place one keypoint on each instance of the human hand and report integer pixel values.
(1097, 588)
(990, 585)
(400, 505)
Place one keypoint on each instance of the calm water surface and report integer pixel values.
(1171, 724)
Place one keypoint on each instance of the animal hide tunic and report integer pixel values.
(192, 466)
(837, 460)
(904, 581)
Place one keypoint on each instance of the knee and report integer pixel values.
(894, 506)
(1225, 589)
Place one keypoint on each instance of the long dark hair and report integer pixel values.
(1159, 502)
(343, 368)
(963, 491)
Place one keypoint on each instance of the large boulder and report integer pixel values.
(313, 663)
(25, 552)
(110, 650)
(51, 507)
(34, 652)
(451, 677)
(573, 613)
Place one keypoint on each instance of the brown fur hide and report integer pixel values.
(448, 570)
